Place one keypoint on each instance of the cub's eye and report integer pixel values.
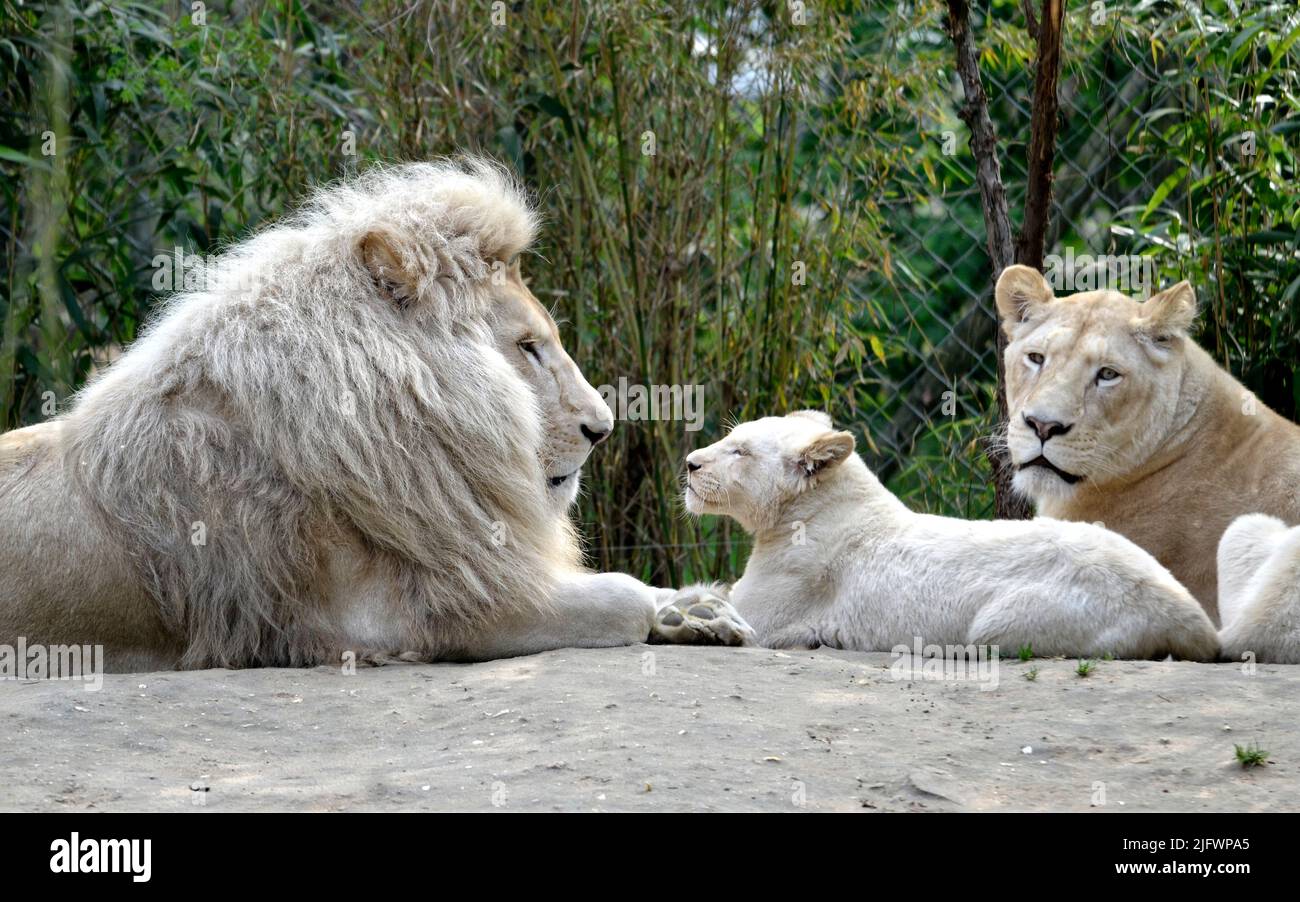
(740, 452)
(1035, 358)
(1106, 374)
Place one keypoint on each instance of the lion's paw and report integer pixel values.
(701, 615)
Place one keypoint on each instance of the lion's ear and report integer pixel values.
(1171, 312)
(825, 451)
(396, 278)
(504, 271)
(1019, 290)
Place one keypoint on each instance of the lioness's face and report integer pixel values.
(1092, 381)
(762, 464)
(576, 417)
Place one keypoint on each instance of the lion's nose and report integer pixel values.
(595, 436)
(1047, 428)
(692, 466)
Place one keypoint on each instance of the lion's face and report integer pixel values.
(1093, 381)
(576, 417)
(762, 464)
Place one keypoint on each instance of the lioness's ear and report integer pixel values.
(1171, 312)
(825, 451)
(1019, 290)
(397, 278)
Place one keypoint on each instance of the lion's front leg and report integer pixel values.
(587, 610)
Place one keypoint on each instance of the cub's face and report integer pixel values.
(762, 464)
(1093, 381)
(575, 416)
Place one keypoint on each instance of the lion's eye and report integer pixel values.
(740, 452)
(529, 346)
(1035, 358)
(1106, 374)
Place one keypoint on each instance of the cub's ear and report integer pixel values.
(396, 275)
(825, 451)
(1169, 313)
(1019, 290)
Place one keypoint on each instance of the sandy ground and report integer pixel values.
(656, 728)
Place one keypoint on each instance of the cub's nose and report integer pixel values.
(595, 436)
(1046, 429)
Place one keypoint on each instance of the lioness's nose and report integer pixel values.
(1046, 428)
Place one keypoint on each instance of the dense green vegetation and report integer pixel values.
(772, 200)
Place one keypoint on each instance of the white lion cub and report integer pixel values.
(1259, 590)
(839, 561)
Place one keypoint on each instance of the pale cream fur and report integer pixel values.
(838, 560)
(361, 434)
(1168, 453)
(1259, 590)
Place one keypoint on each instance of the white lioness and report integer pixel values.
(839, 561)
(360, 434)
(1118, 417)
(1259, 590)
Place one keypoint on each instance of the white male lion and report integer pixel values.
(838, 560)
(1117, 416)
(361, 434)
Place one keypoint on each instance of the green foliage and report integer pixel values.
(806, 231)
(1219, 142)
(1251, 755)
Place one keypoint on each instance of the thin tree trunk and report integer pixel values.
(1029, 247)
(997, 225)
(1042, 138)
(975, 113)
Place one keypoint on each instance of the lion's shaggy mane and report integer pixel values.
(301, 399)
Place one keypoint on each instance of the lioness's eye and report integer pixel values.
(1106, 374)
(1035, 358)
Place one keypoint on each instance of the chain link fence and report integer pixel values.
(1127, 211)
(773, 201)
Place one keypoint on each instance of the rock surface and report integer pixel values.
(657, 728)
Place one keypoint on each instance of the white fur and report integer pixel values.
(1259, 590)
(1117, 416)
(839, 561)
(337, 443)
